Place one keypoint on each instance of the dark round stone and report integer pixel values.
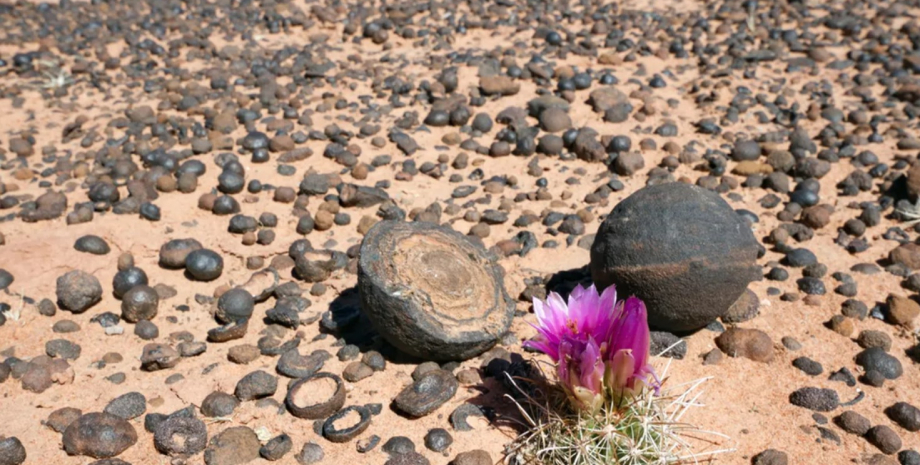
(437, 118)
(466, 309)
(811, 286)
(876, 359)
(884, 438)
(438, 440)
(219, 404)
(92, 244)
(680, 248)
(12, 452)
(225, 205)
(125, 279)
(77, 291)
(398, 445)
(482, 122)
(230, 182)
(909, 457)
(6, 278)
(204, 265)
(139, 303)
(146, 330)
(798, 258)
(746, 150)
(235, 304)
(150, 212)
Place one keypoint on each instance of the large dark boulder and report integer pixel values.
(681, 249)
(431, 292)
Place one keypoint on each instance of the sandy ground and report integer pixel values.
(743, 400)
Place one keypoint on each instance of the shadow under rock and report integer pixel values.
(563, 282)
(346, 321)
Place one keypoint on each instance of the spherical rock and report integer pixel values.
(12, 452)
(235, 304)
(125, 279)
(204, 265)
(77, 291)
(139, 303)
(219, 404)
(680, 248)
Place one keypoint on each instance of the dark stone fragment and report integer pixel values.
(665, 344)
(843, 375)
(256, 385)
(427, 393)
(458, 418)
(276, 448)
(127, 406)
(876, 359)
(817, 399)
(398, 445)
(811, 286)
(335, 429)
(808, 366)
(99, 435)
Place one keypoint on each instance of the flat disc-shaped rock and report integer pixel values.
(347, 424)
(99, 435)
(681, 249)
(431, 292)
(427, 393)
(318, 396)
